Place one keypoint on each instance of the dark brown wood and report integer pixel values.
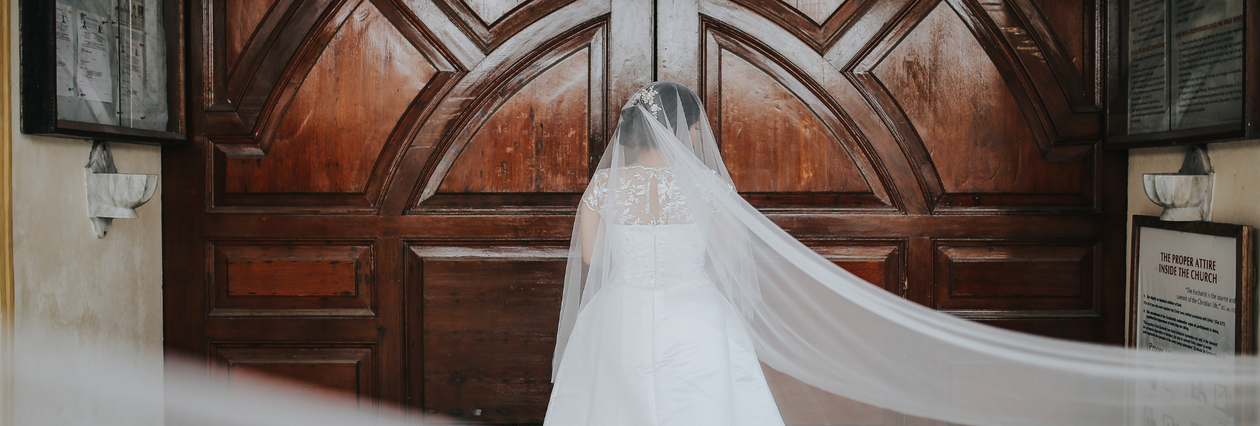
(488, 315)
(292, 278)
(343, 113)
(1012, 279)
(426, 228)
(748, 133)
(493, 29)
(521, 149)
(1244, 275)
(759, 142)
(820, 34)
(336, 371)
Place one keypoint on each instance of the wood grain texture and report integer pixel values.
(881, 263)
(772, 142)
(1070, 21)
(333, 133)
(535, 142)
(489, 319)
(248, 277)
(336, 372)
(818, 23)
(491, 10)
(817, 10)
(492, 22)
(965, 116)
(241, 19)
(293, 278)
(1018, 278)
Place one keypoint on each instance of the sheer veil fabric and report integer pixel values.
(824, 326)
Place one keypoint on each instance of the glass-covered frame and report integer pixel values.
(1202, 54)
(103, 69)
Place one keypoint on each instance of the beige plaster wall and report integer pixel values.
(1236, 197)
(106, 294)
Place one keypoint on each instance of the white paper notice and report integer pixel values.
(1207, 63)
(1186, 292)
(1186, 286)
(63, 20)
(1148, 66)
(94, 80)
(131, 77)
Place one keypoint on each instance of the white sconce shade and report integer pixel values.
(112, 195)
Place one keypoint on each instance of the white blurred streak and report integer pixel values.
(66, 379)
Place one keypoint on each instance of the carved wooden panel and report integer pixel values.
(240, 22)
(818, 23)
(1019, 279)
(534, 143)
(778, 147)
(805, 156)
(1070, 22)
(878, 262)
(964, 126)
(489, 318)
(491, 22)
(292, 279)
(335, 130)
(337, 371)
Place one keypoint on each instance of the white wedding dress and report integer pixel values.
(658, 344)
(671, 304)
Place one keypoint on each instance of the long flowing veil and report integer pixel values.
(824, 326)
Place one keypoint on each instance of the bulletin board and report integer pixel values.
(103, 69)
(1188, 72)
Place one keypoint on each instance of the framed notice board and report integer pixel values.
(1188, 72)
(1192, 287)
(103, 69)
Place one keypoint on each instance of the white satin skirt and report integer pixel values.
(674, 355)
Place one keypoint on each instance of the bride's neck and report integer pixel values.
(649, 157)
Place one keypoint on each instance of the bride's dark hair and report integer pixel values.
(631, 126)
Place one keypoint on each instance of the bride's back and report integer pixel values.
(650, 231)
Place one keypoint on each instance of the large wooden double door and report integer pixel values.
(377, 195)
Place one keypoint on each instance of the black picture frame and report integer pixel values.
(38, 79)
(1117, 110)
(1245, 279)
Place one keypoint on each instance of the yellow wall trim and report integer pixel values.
(6, 215)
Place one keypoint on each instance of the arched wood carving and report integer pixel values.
(801, 152)
(490, 22)
(535, 140)
(946, 102)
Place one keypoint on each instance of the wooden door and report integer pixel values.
(377, 195)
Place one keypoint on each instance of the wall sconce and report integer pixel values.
(1187, 194)
(112, 195)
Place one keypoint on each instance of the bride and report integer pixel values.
(677, 289)
(655, 343)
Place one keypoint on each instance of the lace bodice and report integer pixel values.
(660, 255)
(642, 196)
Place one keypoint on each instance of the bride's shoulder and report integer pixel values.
(600, 178)
(597, 190)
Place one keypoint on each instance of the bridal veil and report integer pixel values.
(825, 327)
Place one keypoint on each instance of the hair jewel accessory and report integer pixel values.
(647, 97)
